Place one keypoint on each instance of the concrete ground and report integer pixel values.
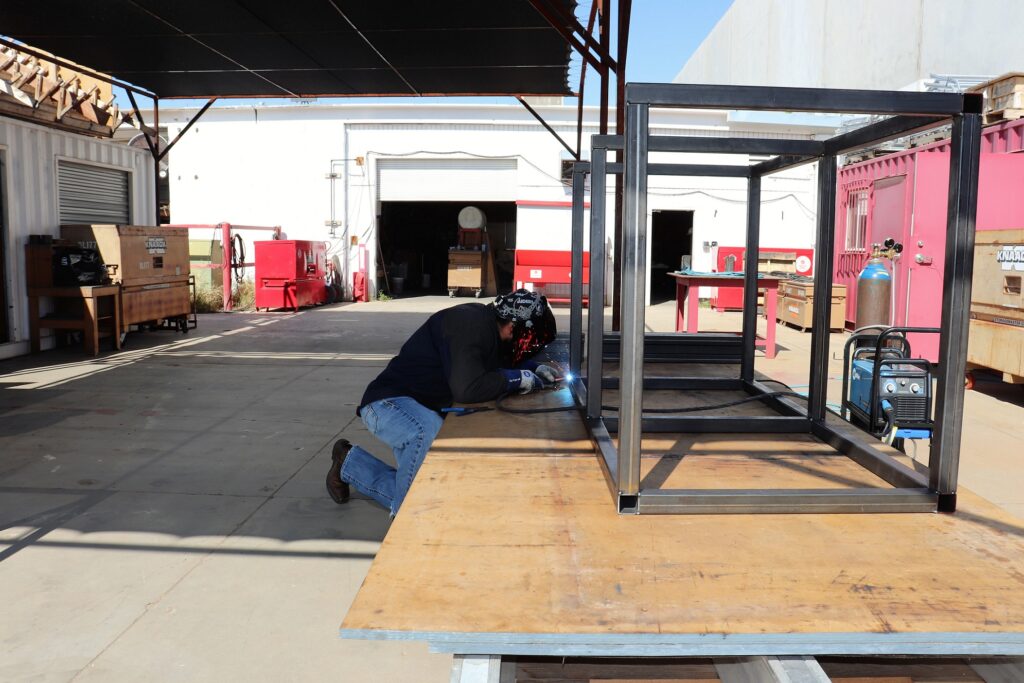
(163, 514)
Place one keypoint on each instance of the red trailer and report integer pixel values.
(903, 196)
(290, 274)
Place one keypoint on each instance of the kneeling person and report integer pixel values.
(468, 353)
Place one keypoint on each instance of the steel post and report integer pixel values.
(226, 271)
(595, 308)
(820, 323)
(634, 280)
(965, 149)
(579, 171)
(753, 245)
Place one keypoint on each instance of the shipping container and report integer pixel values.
(903, 195)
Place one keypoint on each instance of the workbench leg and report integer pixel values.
(33, 323)
(91, 331)
(771, 296)
(117, 321)
(680, 303)
(482, 669)
(692, 306)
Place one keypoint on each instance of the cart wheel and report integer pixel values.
(969, 380)
(477, 294)
(451, 293)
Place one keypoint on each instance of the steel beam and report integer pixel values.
(727, 145)
(710, 170)
(881, 131)
(753, 244)
(682, 383)
(868, 453)
(820, 323)
(608, 455)
(733, 424)
(784, 501)
(579, 176)
(595, 309)
(634, 281)
(781, 163)
(763, 98)
(944, 460)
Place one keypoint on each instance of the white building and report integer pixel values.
(403, 171)
(42, 173)
(872, 44)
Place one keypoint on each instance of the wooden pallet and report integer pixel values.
(1004, 97)
(1002, 115)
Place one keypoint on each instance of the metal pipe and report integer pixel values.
(753, 247)
(155, 149)
(574, 153)
(595, 309)
(820, 322)
(226, 274)
(191, 122)
(634, 269)
(579, 171)
(944, 460)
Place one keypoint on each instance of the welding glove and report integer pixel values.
(545, 372)
(521, 381)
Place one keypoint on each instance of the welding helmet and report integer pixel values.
(533, 323)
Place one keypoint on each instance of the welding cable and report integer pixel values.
(238, 257)
(500, 405)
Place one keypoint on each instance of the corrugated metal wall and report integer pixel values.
(30, 155)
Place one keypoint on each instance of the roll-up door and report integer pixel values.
(481, 180)
(92, 194)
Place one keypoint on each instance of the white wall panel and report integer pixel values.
(438, 180)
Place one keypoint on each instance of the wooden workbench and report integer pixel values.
(509, 543)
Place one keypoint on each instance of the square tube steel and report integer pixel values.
(579, 176)
(753, 247)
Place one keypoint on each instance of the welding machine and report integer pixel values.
(886, 392)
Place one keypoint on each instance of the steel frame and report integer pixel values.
(911, 491)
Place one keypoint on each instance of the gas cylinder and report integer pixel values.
(874, 291)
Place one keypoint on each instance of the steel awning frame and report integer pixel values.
(910, 491)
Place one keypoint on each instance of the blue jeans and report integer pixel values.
(408, 428)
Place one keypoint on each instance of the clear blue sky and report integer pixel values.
(663, 34)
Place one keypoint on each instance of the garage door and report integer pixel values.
(442, 180)
(92, 194)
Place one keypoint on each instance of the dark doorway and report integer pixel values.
(415, 238)
(671, 247)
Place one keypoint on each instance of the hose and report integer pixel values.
(238, 257)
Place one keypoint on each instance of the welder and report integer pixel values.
(469, 353)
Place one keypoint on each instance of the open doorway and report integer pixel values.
(671, 249)
(415, 238)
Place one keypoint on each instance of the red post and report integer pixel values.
(226, 263)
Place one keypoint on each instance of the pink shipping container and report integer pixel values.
(903, 196)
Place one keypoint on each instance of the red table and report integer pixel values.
(690, 304)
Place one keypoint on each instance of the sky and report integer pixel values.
(663, 35)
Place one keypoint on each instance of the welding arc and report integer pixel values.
(499, 404)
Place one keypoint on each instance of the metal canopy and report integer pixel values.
(306, 48)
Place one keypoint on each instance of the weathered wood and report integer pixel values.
(508, 539)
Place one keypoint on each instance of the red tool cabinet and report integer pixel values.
(290, 273)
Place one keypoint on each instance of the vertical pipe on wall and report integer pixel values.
(634, 278)
(595, 309)
(576, 278)
(753, 243)
(226, 271)
(823, 256)
(943, 462)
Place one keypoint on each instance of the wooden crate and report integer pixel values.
(1004, 97)
(143, 255)
(465, 269)
(796, 305)
(150, 303)
(997, 294)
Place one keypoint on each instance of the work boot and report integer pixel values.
(336, 488)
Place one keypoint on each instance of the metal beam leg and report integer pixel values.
(595, 309)
(820, 323)
(634, 279)
(956, 305)
(750, 278)
(576, 280)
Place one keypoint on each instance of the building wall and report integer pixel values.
(268, 166)
(873, 44)
(29, 175)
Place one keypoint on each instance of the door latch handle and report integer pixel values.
(923, 260)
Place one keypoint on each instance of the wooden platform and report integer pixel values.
(509, 543)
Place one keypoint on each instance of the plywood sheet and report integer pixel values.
(509, 534)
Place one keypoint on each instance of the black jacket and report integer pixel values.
(454, 356)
